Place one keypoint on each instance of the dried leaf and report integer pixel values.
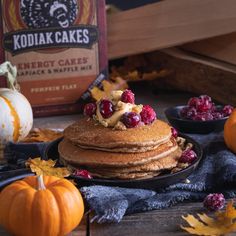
(138, 68)
(132, 76)
(220, 224)
(155, 74)
(117, 84)
(42, 167)
(42, 135)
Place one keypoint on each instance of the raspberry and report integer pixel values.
(203, 109)
(213, 108)
(148, 115)
(184, 111)
(193, 102)
(106, 108)
(214, 201)
(90, 109)
(191, 113)
(128, 96)
(130, 119)
(217, 115)
(188, 156)
(205, 98)
(83, 174)
(204, 105)
(204, 116)
(174, 132)
(227, 110)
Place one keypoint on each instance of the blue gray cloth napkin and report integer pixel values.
(24, 151)
(215, 173)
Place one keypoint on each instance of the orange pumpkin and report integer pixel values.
(41, 206)
(230, 132)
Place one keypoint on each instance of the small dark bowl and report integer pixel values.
(192, 126)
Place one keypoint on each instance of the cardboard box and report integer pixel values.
(59, 48)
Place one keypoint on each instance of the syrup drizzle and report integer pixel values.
(16, 119)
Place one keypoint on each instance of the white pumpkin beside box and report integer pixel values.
(16, 117)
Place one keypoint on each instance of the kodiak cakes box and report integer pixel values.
(59, 48)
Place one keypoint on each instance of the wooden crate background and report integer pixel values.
(203, 30)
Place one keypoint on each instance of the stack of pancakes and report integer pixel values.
(141, 152)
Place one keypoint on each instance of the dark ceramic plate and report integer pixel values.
(9, 177)
(191, 126)
(152, 183)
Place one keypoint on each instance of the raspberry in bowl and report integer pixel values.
(200, 115)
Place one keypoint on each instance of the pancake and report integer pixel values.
(125, 176)
(165, 163)
(108, 175)
(123, 149)
(145, 171)
(78, 156)
(88, 133)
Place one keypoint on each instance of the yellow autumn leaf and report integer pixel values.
(132, 76)
(155, 74)
(42, 167)
(227, 215)
(221, 223)
(42, 135)
(107, 86)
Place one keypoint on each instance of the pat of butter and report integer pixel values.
(116, 95)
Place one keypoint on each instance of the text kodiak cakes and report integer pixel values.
(59, 48)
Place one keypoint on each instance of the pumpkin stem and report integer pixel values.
(10, 72)
(41, 185)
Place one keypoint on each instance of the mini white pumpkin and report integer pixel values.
(16, 117)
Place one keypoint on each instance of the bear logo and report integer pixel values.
(48, 13)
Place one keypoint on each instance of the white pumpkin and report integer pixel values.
(16, 117)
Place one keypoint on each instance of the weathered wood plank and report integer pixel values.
(161, 222)
(168, 23)
(81, 230)
(222, 48)
(197, 75)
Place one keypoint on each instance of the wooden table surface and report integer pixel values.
(160, 222)
(165, 222)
